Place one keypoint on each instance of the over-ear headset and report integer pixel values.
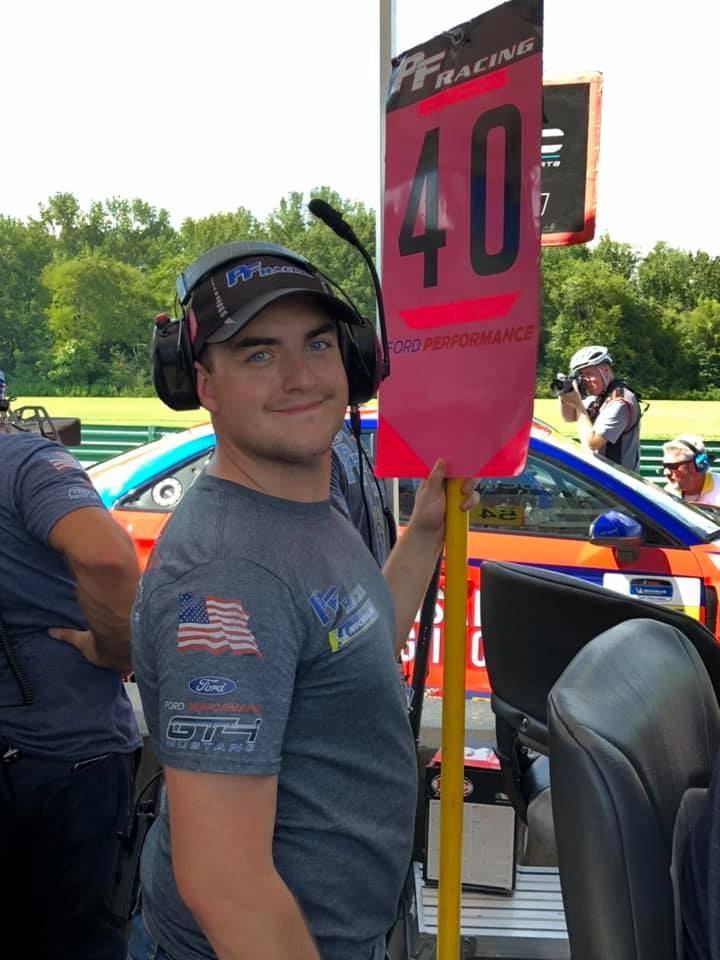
(173, 357)
(701, 459)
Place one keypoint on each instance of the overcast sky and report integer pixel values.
(206, 107)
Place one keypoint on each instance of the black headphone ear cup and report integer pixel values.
(362, 357)
(173, 371)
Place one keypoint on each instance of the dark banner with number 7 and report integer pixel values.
(461, 247)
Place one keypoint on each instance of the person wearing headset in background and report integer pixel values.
(291, 788)
(358, 494)
(686, 466)
(606, 410)
(68, 737)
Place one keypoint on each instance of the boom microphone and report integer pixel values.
(334, 219)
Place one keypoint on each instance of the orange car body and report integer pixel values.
(542, 518)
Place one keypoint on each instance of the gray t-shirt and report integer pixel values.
(78, 710)
(354, 498)
(619, 422)
(263, 644)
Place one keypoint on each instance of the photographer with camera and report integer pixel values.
(606, 410)
(68, 737)
(686, 467)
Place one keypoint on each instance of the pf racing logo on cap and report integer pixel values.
(246, 271)
(212, 686)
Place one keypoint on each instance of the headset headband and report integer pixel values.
(691, 446)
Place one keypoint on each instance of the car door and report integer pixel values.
(542, 517)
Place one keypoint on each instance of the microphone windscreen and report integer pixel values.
(332, 217)
(323, 211)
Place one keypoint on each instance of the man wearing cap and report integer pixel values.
(264, 641)
(686, 466)
(606, 410)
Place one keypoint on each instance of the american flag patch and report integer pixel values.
(63, 462)
(212, 625)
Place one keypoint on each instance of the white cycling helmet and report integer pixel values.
(589, 357)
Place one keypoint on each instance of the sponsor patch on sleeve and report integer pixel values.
(213, 734)
(348, 614)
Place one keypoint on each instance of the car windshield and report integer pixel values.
(704, 523)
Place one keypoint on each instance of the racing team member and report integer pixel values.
(606, 410)
(686, 466)
(258, 583)
(68, 736)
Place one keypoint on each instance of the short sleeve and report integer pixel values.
(51, 484)
(613, 420)
(225, 647)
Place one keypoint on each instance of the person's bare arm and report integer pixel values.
(410, 565)
(102, 560)
(567, 411)
(586, 432)
(407, 572)
(572, 401)
(221, 831)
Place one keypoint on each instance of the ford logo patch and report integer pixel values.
(212, 686)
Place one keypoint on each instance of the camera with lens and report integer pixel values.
(563, 383)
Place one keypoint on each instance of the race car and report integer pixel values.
(567, 511)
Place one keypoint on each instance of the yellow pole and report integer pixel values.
(453, 726)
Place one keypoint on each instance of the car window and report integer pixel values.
(165, 491)
(545, 498)
(703, 523)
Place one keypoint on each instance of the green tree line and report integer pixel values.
(79, 290)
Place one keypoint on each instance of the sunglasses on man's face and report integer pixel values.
(674, 466)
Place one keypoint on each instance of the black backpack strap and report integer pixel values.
(618, 387)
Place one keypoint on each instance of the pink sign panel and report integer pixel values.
(461, 247)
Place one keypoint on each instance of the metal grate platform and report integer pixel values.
(528, 924)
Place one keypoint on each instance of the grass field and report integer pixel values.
(121, 411)
(664, 418)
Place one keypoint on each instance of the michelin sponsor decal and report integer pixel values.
(680, 593)
(353, 613)
(358, 622)
(650, 589)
